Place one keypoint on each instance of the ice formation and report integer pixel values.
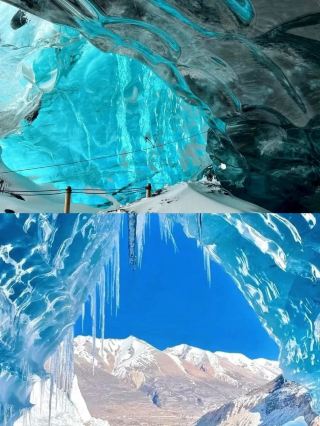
(49, 265)
(248, 69)
(274, 260)
(109, 122)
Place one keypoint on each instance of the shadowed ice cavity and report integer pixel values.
(250, 66)
(90, 105)
(50, 264)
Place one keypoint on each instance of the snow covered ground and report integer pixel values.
(192, 197)
(185, 197)
(31, 204)
(66, 411)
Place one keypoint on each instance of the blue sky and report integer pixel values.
(169, 301)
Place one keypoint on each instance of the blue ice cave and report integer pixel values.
(50, 264)
(109, 120)
(119, 94)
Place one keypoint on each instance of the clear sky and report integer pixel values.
(169, 301)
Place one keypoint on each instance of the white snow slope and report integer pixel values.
(65, 411)
(192, 197)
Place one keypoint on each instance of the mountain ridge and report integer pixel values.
(128, 382)
(178, 384)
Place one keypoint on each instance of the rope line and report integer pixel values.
(51, 192)
(77, 191)
(102, 156)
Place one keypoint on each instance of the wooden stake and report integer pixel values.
(148, 190)
(67, 200)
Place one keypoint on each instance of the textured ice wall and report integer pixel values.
(250, 66)
(90, 105)
(275, 262)
(48, 266)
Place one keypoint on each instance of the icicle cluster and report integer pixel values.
(49, 265)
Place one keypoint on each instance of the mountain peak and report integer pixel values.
(278, 400)
(133, 370)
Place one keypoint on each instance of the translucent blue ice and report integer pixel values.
(247, 69)
(275, 262)
(48, 267)
(50, 264)
(100, 107)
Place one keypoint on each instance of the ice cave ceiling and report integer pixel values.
(248, 70)
(275, 264)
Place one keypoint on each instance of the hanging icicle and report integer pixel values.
(141, 225)
(166, 229)
(207, 263)
(61, 370)
(199, 225)
(93, 308)
(132, 240)
(102, 306)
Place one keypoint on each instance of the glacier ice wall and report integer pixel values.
(108, 121)
(249, 66)
(275, 262)
(50, 264)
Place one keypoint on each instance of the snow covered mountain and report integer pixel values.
(137, 384)
(129, 382)
(279, 403)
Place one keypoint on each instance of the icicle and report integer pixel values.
(50, 399)
(102, 294)
(7, 415)
(42, 390)
(115, 277)
(142, 223)
(112, 278)
(166, 229)
(207, 263)
(61, 371)
(94, 326)
(26, 418)
(199, 225)
(132, 233)
(83, 314)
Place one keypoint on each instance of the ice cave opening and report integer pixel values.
(51, 263)
(112, 96)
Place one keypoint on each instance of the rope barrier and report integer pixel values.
(100, 157)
